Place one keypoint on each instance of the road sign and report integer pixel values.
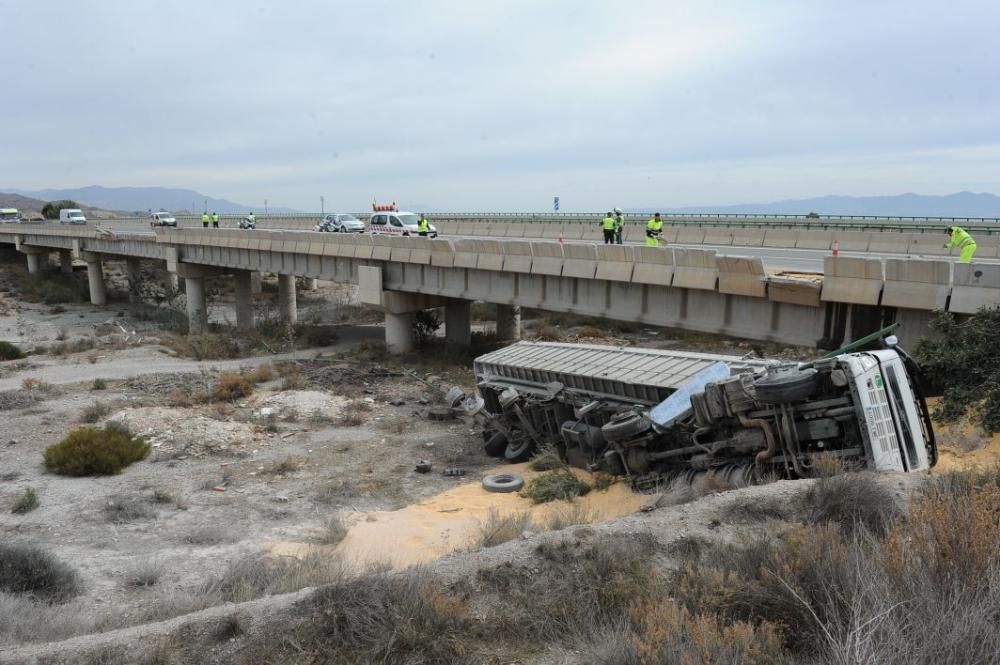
(555, 203)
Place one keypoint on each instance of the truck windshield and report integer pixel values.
(8, 216)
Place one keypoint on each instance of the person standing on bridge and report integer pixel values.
(253, 219)
(619, 226)
(608, 225)
(204, 219)
(961, 239)
(215, 220)
(654, 227)
(423, 226)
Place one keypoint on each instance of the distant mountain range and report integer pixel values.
(960, 204)
(141, 199)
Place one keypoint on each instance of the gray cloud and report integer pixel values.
(502, 105)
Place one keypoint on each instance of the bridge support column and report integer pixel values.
(256, 281)
(34, 257)
(66, 260)
(95, 278)
(458, 322)
(286, 298)
(243, 283)
(133, 270)
(399, 332)
(194, 293)
(170, 282)
(508, 322)
(312, 283)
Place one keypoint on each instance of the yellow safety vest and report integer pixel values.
(609, 223)
(619, 223)
(654, 224)
(204, 217)
(215, 216)
(423, 226)
(960, 238)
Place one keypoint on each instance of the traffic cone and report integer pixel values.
(836, 248)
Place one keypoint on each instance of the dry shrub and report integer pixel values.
(210, 534)
(568, 515)
(95, 412)
(123, 508)
(547, 458)
(334, 531)
(27, 502)
(144, 574)
(283, 467)
(557, 485)
(88, 451)
(591, 331)
(182, 398)
(27, 569)
(257, 575)
(667, 633)
(547, 333)
(757, 509)
(231, 386)
(351, 418)
(501, 528)
(262, 373)
(850, 500)
(395, 424)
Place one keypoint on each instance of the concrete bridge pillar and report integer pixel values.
(243, 283)
(34, 257)
(95, 278)
(66, 260)
(399, 332)
(457, 322)
(170, 282)
(133, 270)
(197, 309)
(508, 322)
(312, 284)
(256, 281)
(286, 299)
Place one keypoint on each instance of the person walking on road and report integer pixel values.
(423, 226)
(204, 220)
(215, 220)
(619, 226)
(608, 225)
(961, 239)
(654, 227)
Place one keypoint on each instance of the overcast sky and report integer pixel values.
(502, 105)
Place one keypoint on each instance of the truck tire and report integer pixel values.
(496, 444)
(786, 384)
(519, 451)
(624, 426)
(503, 483)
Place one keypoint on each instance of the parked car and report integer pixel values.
(162, 219)
(397, 223)
(340, 223)
(72, 216)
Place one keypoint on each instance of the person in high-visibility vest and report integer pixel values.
(608, 225)
(619, 226)
(654, 227)
(204, 219)
(215, 220)
(423, 226)
(961, 239)
(253, 218)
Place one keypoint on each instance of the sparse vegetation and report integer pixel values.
(9, 351)
(89, 451)
(557, 485)
(333, 531)
(52, 288)
(547, 458)
(27, 569)
(99, 384)
(27, 502)
(851, 501)
(257, 575)
(144, 574)
(231, 386)
(95, 412)
(568, 515)
(283, 467)
(125, 508)
(209, 535)
(499, 528)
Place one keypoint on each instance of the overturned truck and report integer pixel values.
(660, 417)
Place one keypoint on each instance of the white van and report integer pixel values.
(71, 216)
(162, 218)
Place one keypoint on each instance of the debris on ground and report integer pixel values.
(292, 404)
(172, 430)
(423, 466)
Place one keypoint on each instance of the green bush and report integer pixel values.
(29, 569)
(557, 485)
(89, 451)
(10, 351)
(51, 209)
(27, 502)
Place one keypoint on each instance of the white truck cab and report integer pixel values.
(72, 216)
(9, 216)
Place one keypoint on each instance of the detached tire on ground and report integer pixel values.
(496, 444)
(503, 482)
(624, 426)
(786, 384)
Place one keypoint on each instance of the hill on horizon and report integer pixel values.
(959, 204)
(143, 199)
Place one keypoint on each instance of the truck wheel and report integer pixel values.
(624, 426)
(496, 444)
(519, 451)
(503, 483)
(786, 384)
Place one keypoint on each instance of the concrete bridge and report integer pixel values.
(688, 288)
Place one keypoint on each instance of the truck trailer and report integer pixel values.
(659, 416)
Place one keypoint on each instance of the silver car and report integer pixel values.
(340, 223)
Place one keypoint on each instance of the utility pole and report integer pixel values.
(322, 209)
(265, 206)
